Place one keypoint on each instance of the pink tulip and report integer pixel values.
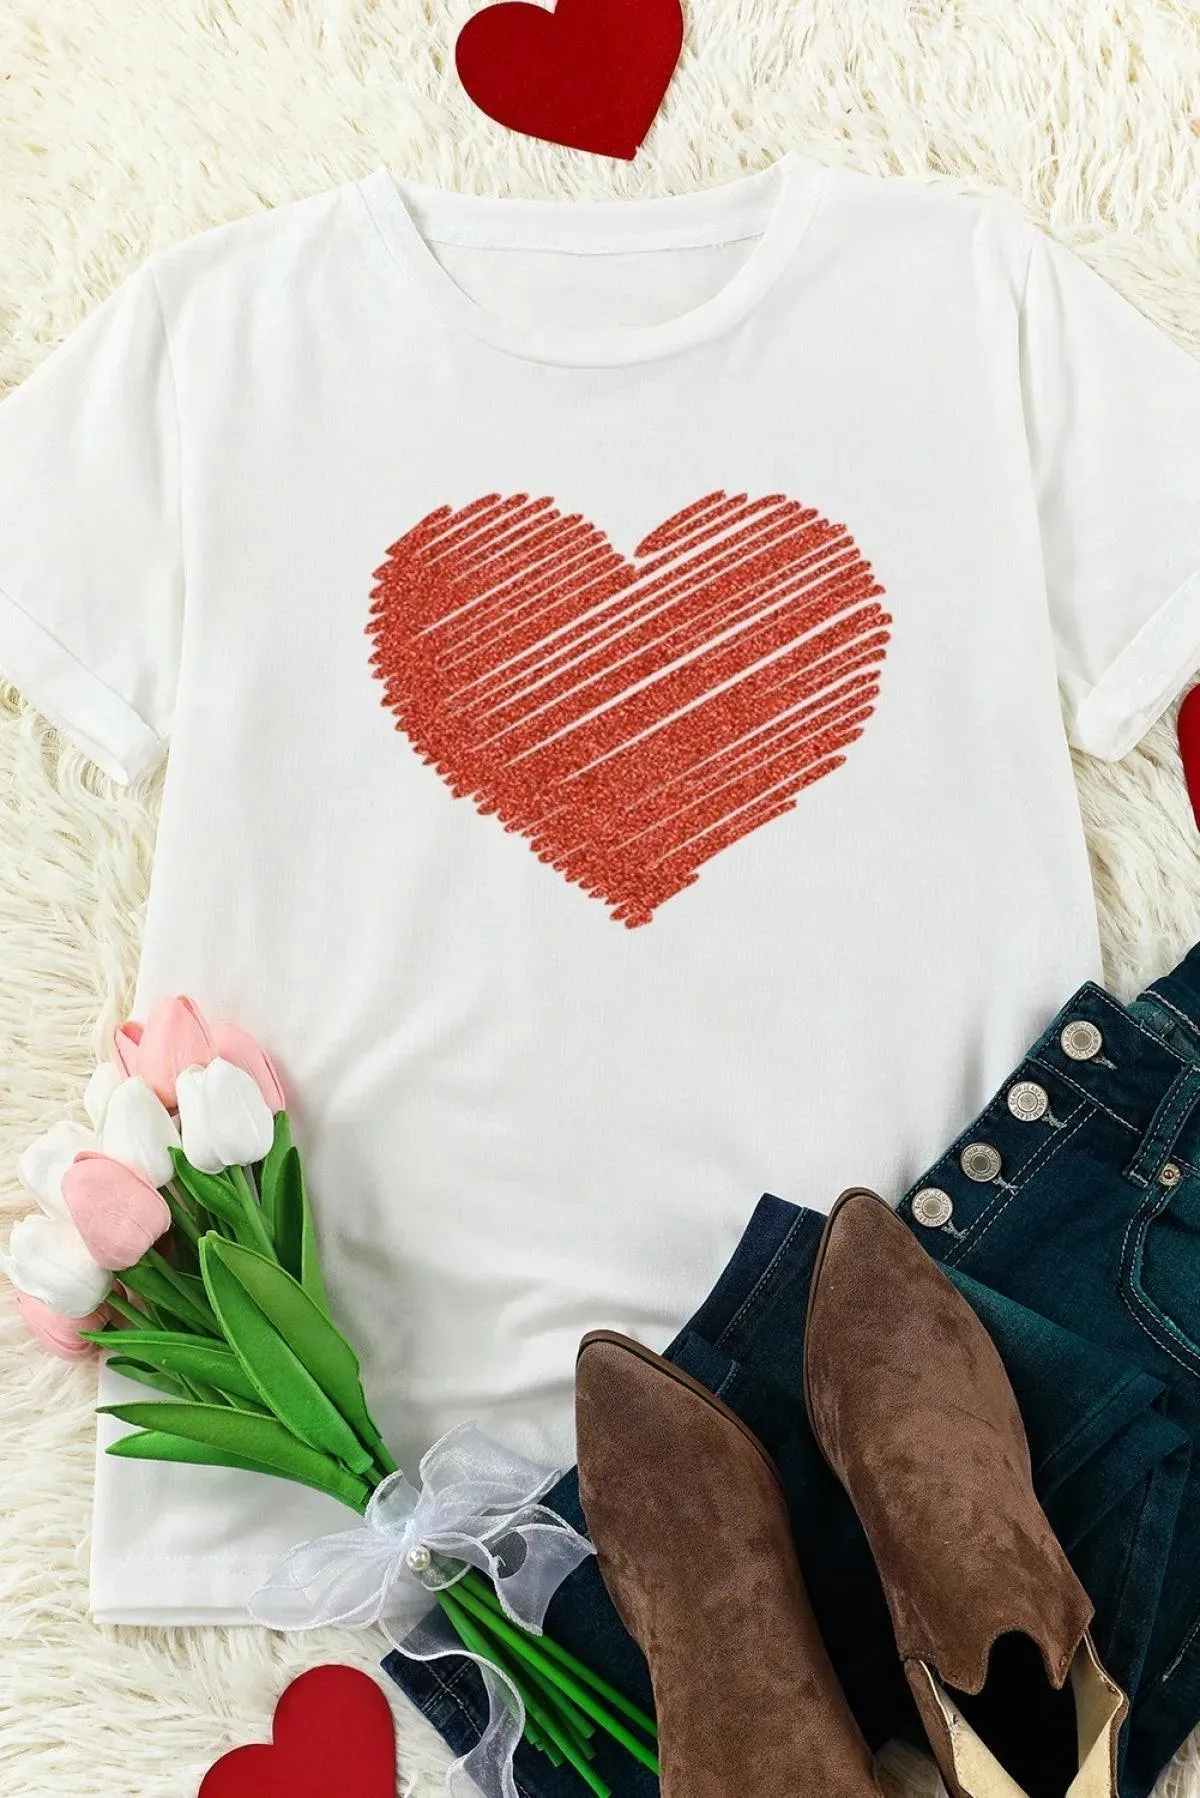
(57, 1333)
(118, 1213)
(174, 1036)
(238, 1046)
(126, 1038)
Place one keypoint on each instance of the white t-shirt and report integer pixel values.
(611, 657)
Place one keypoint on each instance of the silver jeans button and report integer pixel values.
(1170, 1175)
(979, 1161)
(1081, 1041)
(1028, 1101)
(932, 1207)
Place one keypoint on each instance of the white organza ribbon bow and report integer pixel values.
(477, 1506)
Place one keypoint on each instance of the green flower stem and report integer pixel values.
(181, 1215)
(384, 1464)
(186, 1257)
(253, 1211)
(580, 1726)
(475, 1642)
(485, 1592)
(576, 1722)
(541, 1743)
(563, 1738)
(570, 1719)
(516, 1641)
(544, 1721)
(530, 1649)
(194, 1301)
(132, 1315)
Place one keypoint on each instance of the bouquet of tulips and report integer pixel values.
(175, 1233)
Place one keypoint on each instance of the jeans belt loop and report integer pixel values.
(1174, 1111)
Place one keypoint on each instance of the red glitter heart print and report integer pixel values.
(631, 718)
(333, 1733)
(591, 74)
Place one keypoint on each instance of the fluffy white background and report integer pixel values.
(127, 124)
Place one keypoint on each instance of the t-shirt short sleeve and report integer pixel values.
(91, 585)
(1112, 410)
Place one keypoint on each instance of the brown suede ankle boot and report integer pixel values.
(691, 1530)
(912, 1408)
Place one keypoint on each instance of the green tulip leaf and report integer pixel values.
(294, 1234)
(304, 1326)
(137, 1320)
(213, 1191)
(185, 1235)
(159, 1445)
(268, 1179)
(164, 1294)
(192, 1357)
(262, 1441)
(279, 1376)
(150, 1376)
(189, 1286)
(195, 1289)
(218, 1195)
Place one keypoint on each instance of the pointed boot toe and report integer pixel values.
(692, 1535)
(914, 1412)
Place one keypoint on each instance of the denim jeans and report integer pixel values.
(1077, 1241)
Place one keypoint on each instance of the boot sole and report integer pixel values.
(614, 1339)
(851, 1192)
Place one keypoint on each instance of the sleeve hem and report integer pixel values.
(1115, 714)
(102, 724)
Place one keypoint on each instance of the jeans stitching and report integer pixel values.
(1123, 1012)
(766, 1279)
(1130, 1296)
(727, 1381)
(1189, 1098)
(1082, 1092)
(1033, 1167)
(1166, 1129)
(1129, 1300)
(1181, 1654)
(1036, 1159)
(1161, 999)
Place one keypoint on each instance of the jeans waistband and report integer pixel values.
(1130, 1062)
(1131, 1065)
(1179, 991)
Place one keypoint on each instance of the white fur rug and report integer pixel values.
(126, 124)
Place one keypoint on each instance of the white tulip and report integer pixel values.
(47, 1260)
(99, 1091)
(42, 1166)
(140, 1131)
(223, 1118)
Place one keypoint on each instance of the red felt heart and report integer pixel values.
(333, 1738)
(631, 718)
(591, 74)
(1189, 747)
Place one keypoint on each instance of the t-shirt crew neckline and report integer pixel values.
(776, 206)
